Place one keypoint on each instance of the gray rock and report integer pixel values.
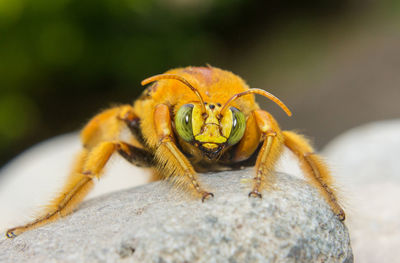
(157, 223)
(366, 159)
(367, 154)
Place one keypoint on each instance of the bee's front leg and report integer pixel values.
(261, 127)
(173, 163)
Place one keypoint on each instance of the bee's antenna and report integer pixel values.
(260, 92)
(181, 79)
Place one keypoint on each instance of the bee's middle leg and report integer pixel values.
(172, 160)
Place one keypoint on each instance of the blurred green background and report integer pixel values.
(335, 63)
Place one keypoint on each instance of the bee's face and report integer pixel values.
(210, 131)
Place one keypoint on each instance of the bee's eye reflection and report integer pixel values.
(238, 126)
(183, 122)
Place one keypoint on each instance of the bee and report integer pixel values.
(189, 120)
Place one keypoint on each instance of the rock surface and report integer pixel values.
(366, 159)
(46, 166)
(157, 223)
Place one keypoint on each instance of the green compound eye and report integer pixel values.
(183, 122)
(238, 126)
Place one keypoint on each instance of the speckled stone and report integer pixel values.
(157, 223)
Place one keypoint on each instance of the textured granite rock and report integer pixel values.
(156, 223)
(366, 159)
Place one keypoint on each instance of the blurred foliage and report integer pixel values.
(61, 61)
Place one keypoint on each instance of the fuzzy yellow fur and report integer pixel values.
(250, 141)
(270, 151)
(315, 169)
(210, 82)
(75, 189)
(100, 139)
(171, 161)
(156, 109)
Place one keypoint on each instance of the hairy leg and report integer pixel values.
(261, 127)
(171, 160)
(269, 153)
(89, 164)
(315, 169)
